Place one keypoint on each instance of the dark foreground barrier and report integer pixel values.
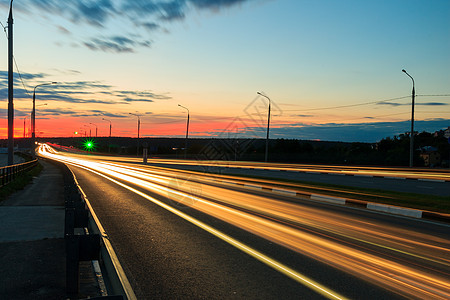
(9, 173)
(86, 242)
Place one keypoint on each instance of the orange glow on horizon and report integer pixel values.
(68, 127)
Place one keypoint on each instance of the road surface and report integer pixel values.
(183, 234)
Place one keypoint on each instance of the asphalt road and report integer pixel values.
(406, 180)
(389, 182)
(179, 235)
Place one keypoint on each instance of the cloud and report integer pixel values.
(83, 113)
(215, 4)
(67, 72)
(75, 92)
(63, 30)
(140, 96)
(26, 76)
(361, 132)
(304, 116)
(173, 10)
(150, 26)
(115, 44)
(148, 15)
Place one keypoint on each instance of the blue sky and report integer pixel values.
(324, 64)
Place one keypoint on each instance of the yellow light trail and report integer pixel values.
(273, 219)
(241, 246)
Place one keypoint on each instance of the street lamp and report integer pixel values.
(110, 125)
(268, 126)
(96, 128)
(81, 130)
(187, 131)
(411, 138)
(90, 132)
(24, 132)
(33, 115)
(138, 128)
(11, 89)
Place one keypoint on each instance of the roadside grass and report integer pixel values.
(20, 182)
(410, 200)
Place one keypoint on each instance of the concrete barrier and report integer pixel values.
(395, 210)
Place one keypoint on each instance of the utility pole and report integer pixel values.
(187, 131)
(138, 130)
(96, 128)
(110, 125)
(266, 156)
(411, 138)
(24, 132)
(33, 119)
(10, 89)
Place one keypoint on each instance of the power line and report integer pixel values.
(350, 105)
(15, 62)
(365, 103)
(20, 76)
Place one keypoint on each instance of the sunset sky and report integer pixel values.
(331, 68)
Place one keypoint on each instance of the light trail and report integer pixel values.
(331, 169)
(391, 172)
(404, 261)
(252, 252)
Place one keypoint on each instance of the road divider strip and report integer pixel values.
(329, 199)
(253, 186)
(431, 180)
(409, 212)
(282, 191)
(391, 209)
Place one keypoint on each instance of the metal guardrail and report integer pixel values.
(9, 173)
(91, 245)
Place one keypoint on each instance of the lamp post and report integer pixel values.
(24, 132)
(268, 126)
(33, 118)
(90, 132)
(110, 125)
(411, 138)
(187, 131)
(138, 128)
(10, 89)
(96, 128)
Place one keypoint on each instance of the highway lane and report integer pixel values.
(405, 180)
(426, 174)
(389, 172)
(407, 257)
(354, 179)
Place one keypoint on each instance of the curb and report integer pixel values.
(385, 208)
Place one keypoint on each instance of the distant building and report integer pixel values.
(430, 156)
(447, 132)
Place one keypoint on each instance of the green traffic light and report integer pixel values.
(89, 145)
